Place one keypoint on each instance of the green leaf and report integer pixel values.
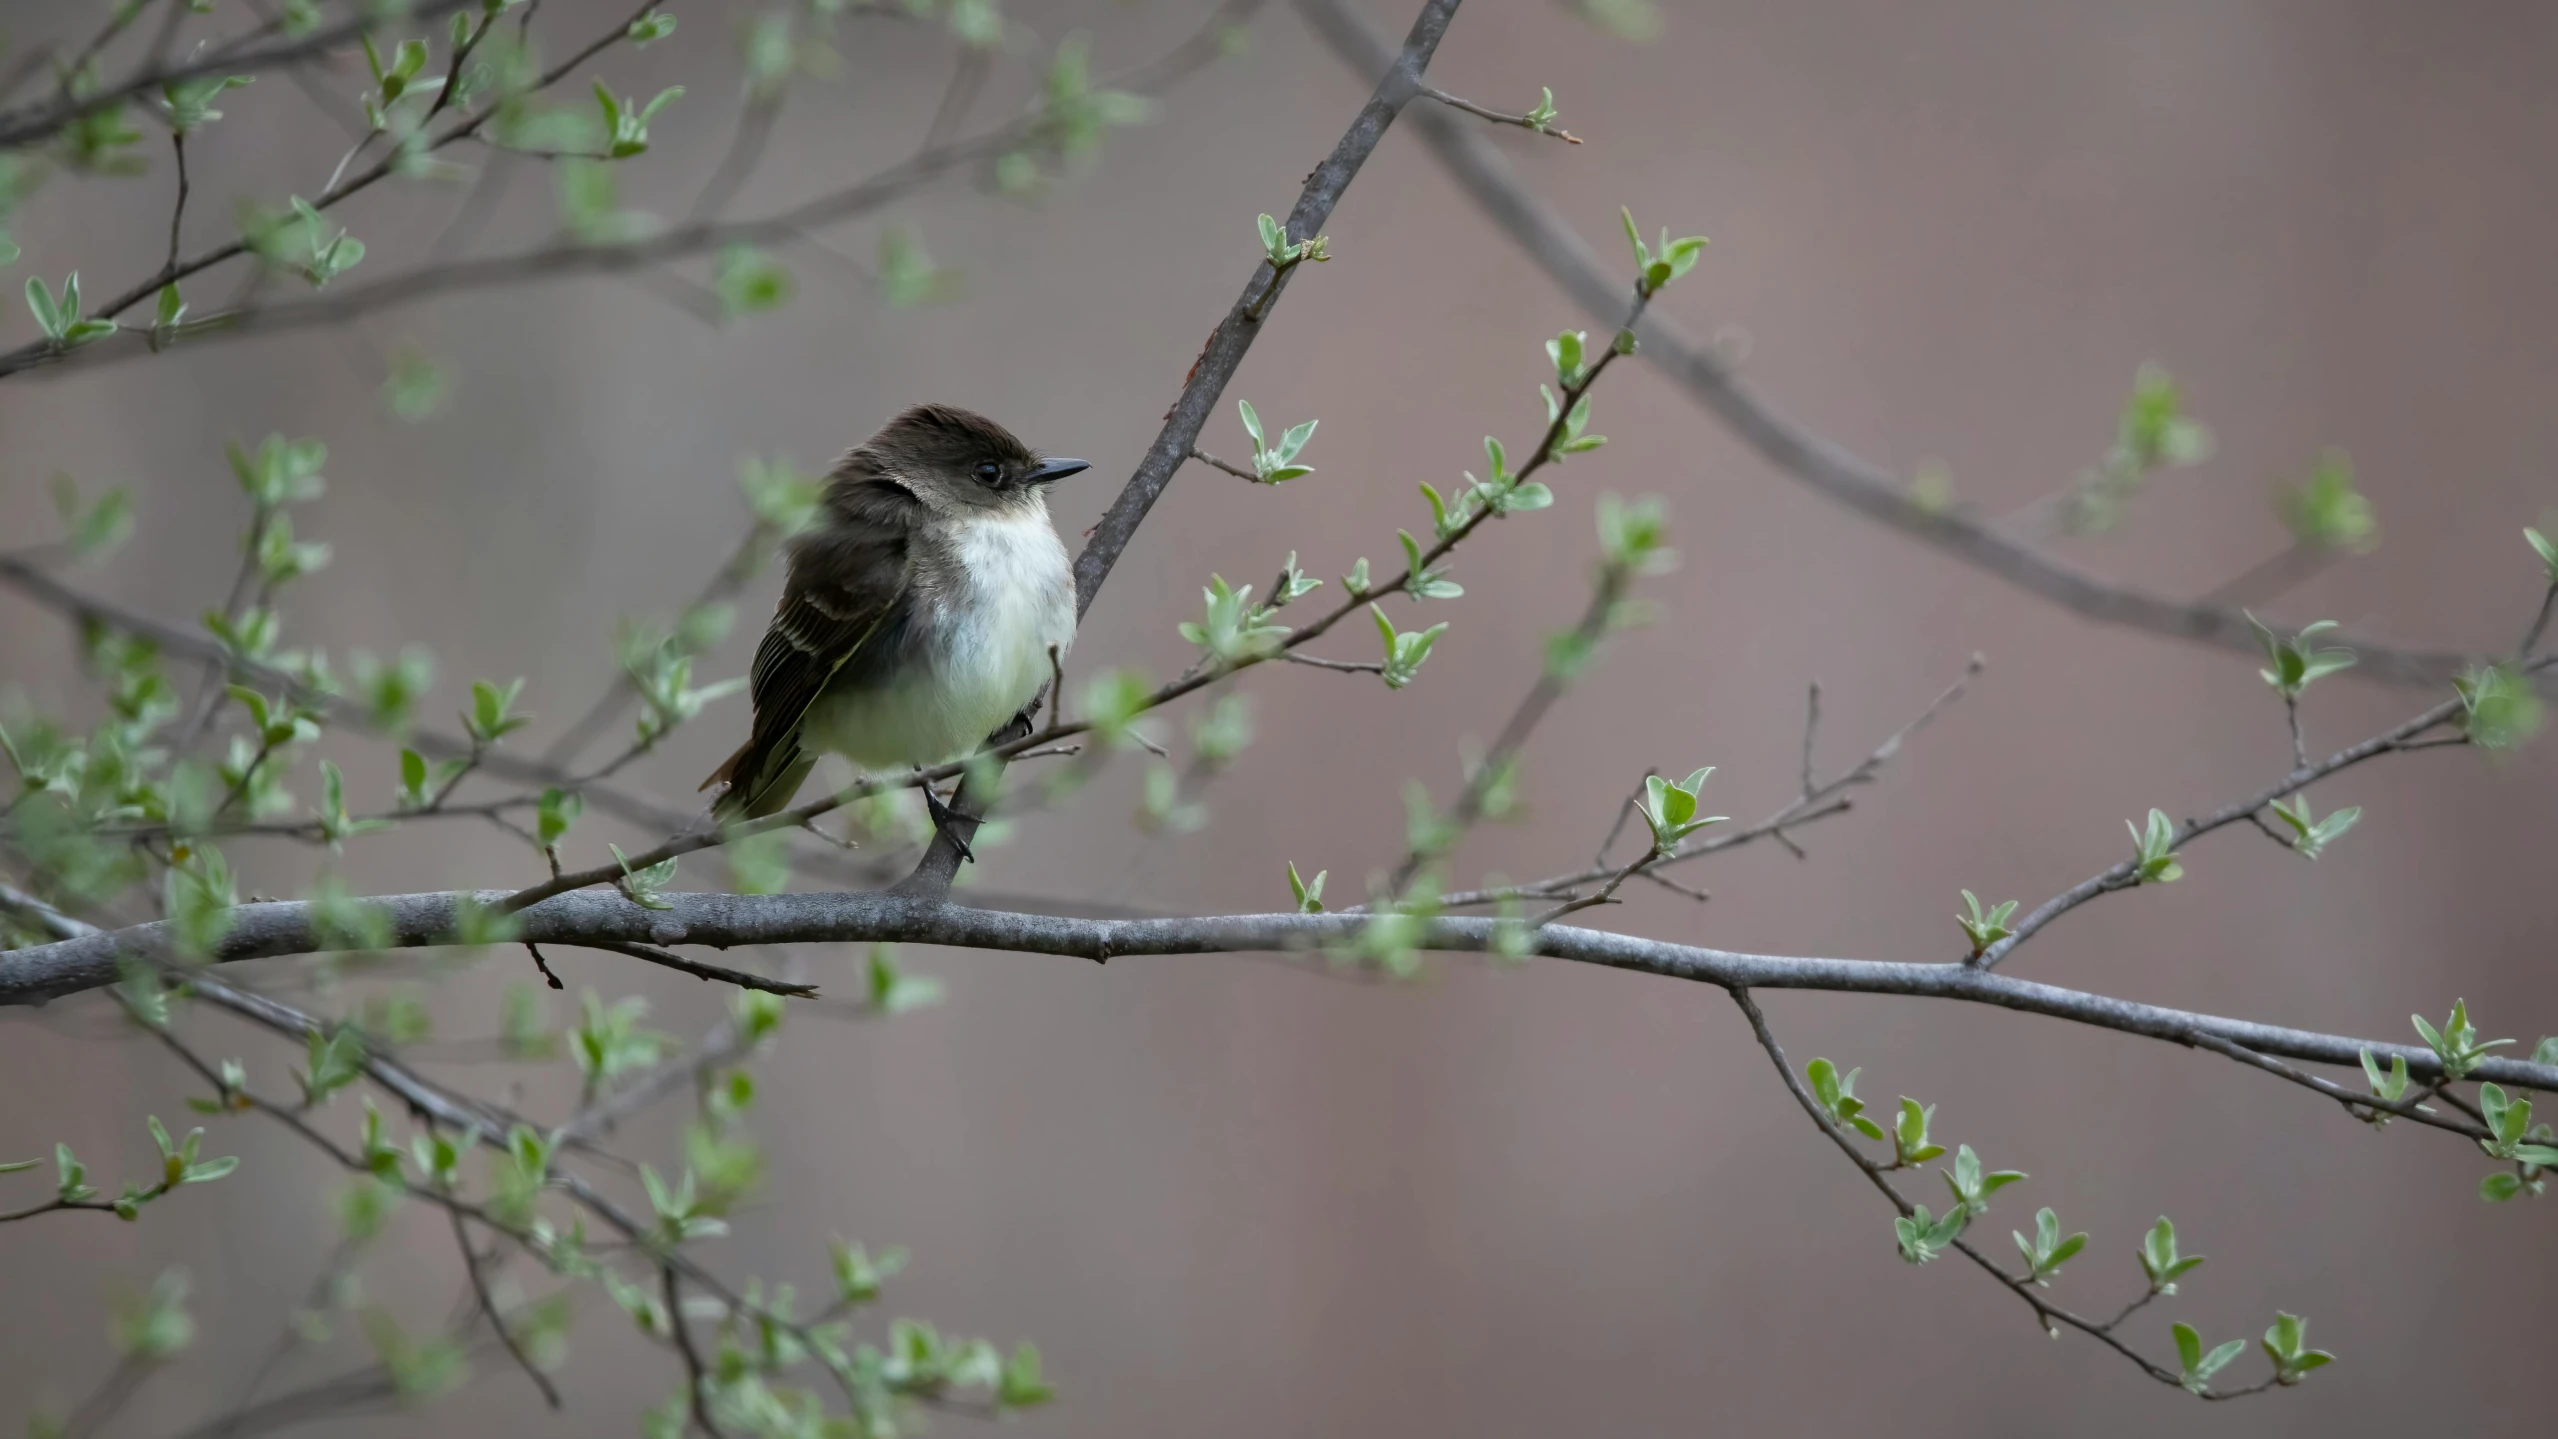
(2296, 661)
(48, 313)
(644, 887)
(1910, 1143)
(187, 105)
(2156, 861)
(749, 282)
(893, 992)
(2501, 708)
(416, 387)
(1972, 1188)
(1922, 1237)
(2456, 1044)
(492, 715)
(2198, 1366)
(156, 1327)
(783, 500)
(2312, 836)
(1308, 892)
(1021, 1386)
(1669, 808)
(2326, 512)
(2284, 1344)
(2159, 1259)
(1634, 237)
(95, 529)
(908, 278)
(1565, 350)
(556, 811)
(2047, 1251)
(335, 1061)
(859, 1276)
(2542, 546)
(1985, 930)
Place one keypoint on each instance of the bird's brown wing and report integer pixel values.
(847, 583)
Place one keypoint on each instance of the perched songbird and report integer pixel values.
(920, 612)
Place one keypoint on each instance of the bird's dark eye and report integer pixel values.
(989, 471)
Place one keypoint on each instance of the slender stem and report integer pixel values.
(2046, 1314)
(1494, 770)
(2540, 621)
(177, 211)
(1212, 462)
(2123, 875)
(1498, 117)
(694, 1372)
(497, 1321)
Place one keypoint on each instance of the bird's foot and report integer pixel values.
(946, 822)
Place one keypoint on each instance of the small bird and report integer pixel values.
(919, 615)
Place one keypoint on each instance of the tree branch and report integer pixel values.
(2123, 874)
(723, 921)
(33, 123)
(697, 236)
(2046, 1314)
(1485, 174)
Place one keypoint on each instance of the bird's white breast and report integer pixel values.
(1010, 595)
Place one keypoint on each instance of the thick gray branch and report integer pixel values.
(42, 972)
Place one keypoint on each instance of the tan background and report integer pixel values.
(1232, 1199)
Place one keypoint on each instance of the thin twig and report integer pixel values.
(1355, 667)
(743, 979)
(1497, 117)
(1826, 800)
(695, 1375)
(1211, 461)
(2124, 874)
(177, 211)
(2046, 1315)
(497, 1321)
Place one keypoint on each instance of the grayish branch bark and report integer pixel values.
(722, 921)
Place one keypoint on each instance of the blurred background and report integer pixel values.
(1233, 1197)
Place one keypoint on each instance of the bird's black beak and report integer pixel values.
(1049, 472)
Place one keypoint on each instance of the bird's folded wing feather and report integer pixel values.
(815, 633)
(834, 604)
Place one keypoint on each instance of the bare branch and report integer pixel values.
(1212, 462)
(743, 979)
(497, 1321)
(723, 921)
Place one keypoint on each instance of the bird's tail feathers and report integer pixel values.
(758, 784)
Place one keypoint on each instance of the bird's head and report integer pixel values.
(955, 460)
